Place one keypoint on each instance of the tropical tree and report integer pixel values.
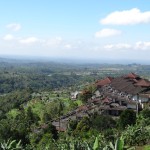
(136, 135)
(102, 123)
(127, 117)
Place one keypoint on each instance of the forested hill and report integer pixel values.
(45, 75)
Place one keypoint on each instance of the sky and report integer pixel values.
(76, 29)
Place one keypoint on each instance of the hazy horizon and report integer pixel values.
(74, 60)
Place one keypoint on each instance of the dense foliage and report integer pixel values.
(128, 117)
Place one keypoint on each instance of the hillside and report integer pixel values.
(36, 107)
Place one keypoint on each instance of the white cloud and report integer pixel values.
(8, 37)
(127, 17)
(142, 45)
(14, 26)
(137, 46)
(107, 33)
(118, 46)
(29, 40)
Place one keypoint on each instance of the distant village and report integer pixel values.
(111, 97)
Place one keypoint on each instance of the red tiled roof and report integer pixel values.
(126, 85)
(143, 82)
(131, 75)
(106, 100)
(104, 81)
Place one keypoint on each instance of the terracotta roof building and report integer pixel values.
(103, 82)
(132, 76)
(129, 91)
